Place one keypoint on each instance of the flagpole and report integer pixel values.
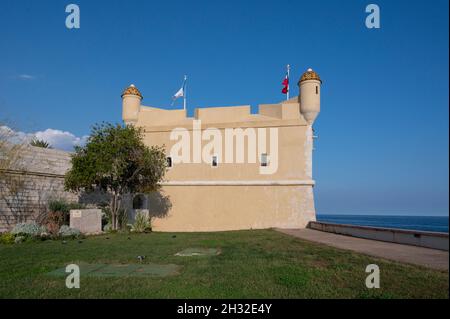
(288, 69)
(184, 92)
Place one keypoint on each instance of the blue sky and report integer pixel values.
(383, 130)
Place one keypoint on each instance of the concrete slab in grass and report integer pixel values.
(188, 252)
(123, 270)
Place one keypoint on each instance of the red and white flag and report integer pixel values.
(285, 83)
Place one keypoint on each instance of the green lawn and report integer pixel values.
(252, 264)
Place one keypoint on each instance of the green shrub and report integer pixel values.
(76, 206)
(122, 218)
(28, 229)
(19, 239)
(62, 207)
(66, 232)
(141, 223)
(7, 238)
(58, 205)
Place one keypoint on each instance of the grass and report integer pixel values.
(252, 264)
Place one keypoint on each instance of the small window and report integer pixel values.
(169, 162)
(264, 159)
(214, 161)
(317, 89)
(138, 201)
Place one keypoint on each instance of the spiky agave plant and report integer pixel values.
(142, 223)
(40, 143)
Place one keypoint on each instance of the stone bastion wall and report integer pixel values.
(35, 178)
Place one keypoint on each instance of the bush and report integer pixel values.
(122, 218)
(53, 221)
(19, 239)
(45, 236)
(61, 208)
(61, 205)
(58, 205)
(7, 238)
(65, 232)
(142, 223)
(28, 229)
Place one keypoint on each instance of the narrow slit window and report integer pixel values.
(169, 162)
(264, 159)
(317, 89)
(214, 161)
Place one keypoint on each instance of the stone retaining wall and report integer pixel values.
(400, 236)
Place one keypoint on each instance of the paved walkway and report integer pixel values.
(426, 257)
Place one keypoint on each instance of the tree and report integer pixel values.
(116, 161)
(40, 143)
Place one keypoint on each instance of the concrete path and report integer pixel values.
(421, 256)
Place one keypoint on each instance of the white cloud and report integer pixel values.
(58, 139)
(61, 139)
(26, 77)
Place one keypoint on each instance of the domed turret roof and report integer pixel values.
(132, 90)
(310, 75)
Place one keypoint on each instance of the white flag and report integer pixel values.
(180, 93)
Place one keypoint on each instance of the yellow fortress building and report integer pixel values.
(229, 169)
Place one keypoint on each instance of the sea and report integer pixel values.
(425, 223)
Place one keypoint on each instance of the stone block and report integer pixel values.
(88, 221)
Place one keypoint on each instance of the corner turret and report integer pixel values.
(131, 104)
(309, 84)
